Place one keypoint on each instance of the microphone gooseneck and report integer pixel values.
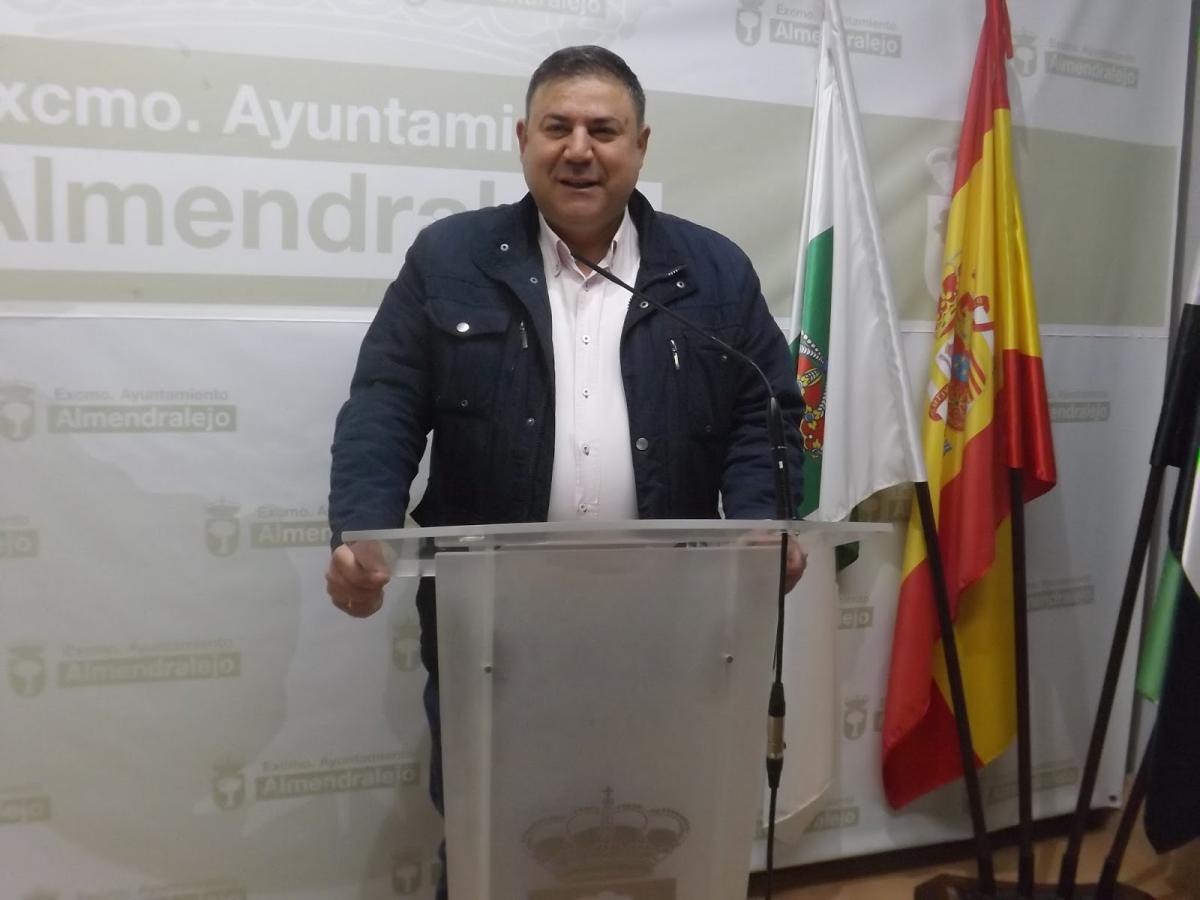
(784, 507)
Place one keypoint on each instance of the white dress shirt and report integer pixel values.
(592, 476)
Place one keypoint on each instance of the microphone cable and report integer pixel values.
(776, 705)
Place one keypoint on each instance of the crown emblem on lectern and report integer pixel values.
(606, 841)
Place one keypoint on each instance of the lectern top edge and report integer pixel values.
(422, 544)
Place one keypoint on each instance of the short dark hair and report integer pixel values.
(588, 59)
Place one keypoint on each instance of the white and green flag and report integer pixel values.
(859, 434)
(1189, 559)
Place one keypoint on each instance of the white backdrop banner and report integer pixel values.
(200, 207)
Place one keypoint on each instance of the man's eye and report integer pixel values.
(556, 130)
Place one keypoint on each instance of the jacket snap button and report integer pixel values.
(533, 279)
(641, 443)
(644, 304)
(708, 429)
(462, 327)
(680, 285)
(504, 248)
(464, 403)
(530, 420)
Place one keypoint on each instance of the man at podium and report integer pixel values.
(551, 393)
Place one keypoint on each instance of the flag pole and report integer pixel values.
(1025, 858)
(1091, 766)
(958, 699)
(1107, 888)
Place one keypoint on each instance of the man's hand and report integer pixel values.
(796, 561)
(355, 578)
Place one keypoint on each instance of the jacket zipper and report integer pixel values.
(524, 336)
(674, 353)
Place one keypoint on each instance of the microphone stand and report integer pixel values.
(784, 507)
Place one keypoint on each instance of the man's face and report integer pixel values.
(581, 151)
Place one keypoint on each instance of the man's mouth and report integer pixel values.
(579, 184)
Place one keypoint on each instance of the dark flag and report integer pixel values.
(1173, 643)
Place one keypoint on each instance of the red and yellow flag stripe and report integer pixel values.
(986, 412)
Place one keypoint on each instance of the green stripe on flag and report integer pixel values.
(1156, 646)
(813, 344)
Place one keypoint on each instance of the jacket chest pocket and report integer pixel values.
(711, 380)
(471, 346)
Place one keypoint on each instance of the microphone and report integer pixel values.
(784, 507)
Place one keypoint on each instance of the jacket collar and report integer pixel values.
(511, 255)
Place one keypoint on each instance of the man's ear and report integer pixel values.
(643, 140)
(522, 135)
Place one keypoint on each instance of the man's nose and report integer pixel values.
(579, 145)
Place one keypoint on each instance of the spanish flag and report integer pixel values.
(985, 413)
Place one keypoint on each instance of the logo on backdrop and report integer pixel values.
(228, 786)
(1102, 65)
(1047, 777)
(24, 805)
(839, 814)
(27, 670)
(281, 527)
(798, 24)
(1024, 59)
(610, 847)
(854, 717)
(221, 530)
(16, 410)
(140, 411)
(855, 612)
(1080, 406)
(406, 645)
(1060, 593)
(121, 665)
(748, 22)
(269, 527)
(295, 779)
(412, 869)
(406, 872)
(18, 538)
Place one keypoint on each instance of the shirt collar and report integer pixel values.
(555, 248)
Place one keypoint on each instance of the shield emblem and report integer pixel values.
(406, 873)
(16, 411)
(406, 647)
(228, 788)
(854, 718)
(26, 671)
(748, 22)
(1024, 58)
(221, 535)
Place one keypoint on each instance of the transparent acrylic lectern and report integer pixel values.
(603, 699)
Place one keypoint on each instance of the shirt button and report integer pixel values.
(583, 507)
(586, 393)
(586, 339)
(462, 327)
(587, 450)
(641, 443)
